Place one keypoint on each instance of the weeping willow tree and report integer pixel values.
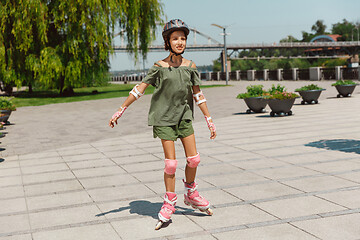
(66, 44)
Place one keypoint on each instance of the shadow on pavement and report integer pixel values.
(145, 208)
(343, 145)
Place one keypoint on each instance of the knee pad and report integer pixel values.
(193, 161)
(170, 166)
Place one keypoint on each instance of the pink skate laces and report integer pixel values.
(118, 114)
(211, 125)
(170, 200)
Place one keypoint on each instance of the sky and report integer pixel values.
(248, 21)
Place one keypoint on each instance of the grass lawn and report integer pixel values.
(38, 98)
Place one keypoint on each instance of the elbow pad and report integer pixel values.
(135, 92)
(197, 98)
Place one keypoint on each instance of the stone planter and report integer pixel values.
(255, 104)
(310, 96)
(4, 115)
(281, 107)
(345, 90)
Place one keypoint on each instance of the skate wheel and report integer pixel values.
(248, 111)
(290, 113)
(272, 114)
(209, 211)
(158, 225)
(316, 101)
(338, 96)
(302, 102)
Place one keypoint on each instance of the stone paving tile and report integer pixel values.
(12, 205)
(11, 192)
(135, 159)
(351, 176)
(137, 207)
(57, 200)
(117, 193)
(350, 199)
(93, 232)
(10, 224)
(10, 181)
(45, 168)
(337, 227)
(98, 171)
(47, 177)
(241, 177)
(258, 163)
(208, 169)
(155, 175)
(230, 216)
(91, 163)
(70, 152)
(18, 237)
(84, 157)
(240, 156)
(219, 196)
(6, 172)
(148, 166)
(297, 207)
(107, 181)
(6, 164)
(143, 228)
(39, 155)
(60, 217)
(319, 183)
(125, 153)
(329, 167)
(41, 161)
(276, 232)
(199, 237)
(285, 172)
(52, 187)
(262, 191)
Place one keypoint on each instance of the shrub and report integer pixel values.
(341, 82)
(6, 104)
(308, 87)
(252, 91)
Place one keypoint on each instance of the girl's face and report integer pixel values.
(178, 41)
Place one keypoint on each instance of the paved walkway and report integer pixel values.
(66, 175)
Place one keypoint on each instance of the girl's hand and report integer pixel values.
(112, 121)
(211, 127)
(116, 116)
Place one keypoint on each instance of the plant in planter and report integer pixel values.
(280, 101)
(254, 98)
(310, 93)
(344, 88)
(6, 107)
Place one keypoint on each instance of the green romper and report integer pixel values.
(171, 109)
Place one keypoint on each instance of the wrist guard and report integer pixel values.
(211, 125)
(118, 114)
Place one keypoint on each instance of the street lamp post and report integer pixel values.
(225, 50)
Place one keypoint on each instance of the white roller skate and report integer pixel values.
(167, 209)
(194, 199)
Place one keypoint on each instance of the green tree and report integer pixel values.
(319, 27)
(67, 44)
(346, 29)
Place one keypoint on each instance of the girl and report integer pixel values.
(176, 81)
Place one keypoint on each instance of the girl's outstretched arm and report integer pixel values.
(134, 94)
(201, 102)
